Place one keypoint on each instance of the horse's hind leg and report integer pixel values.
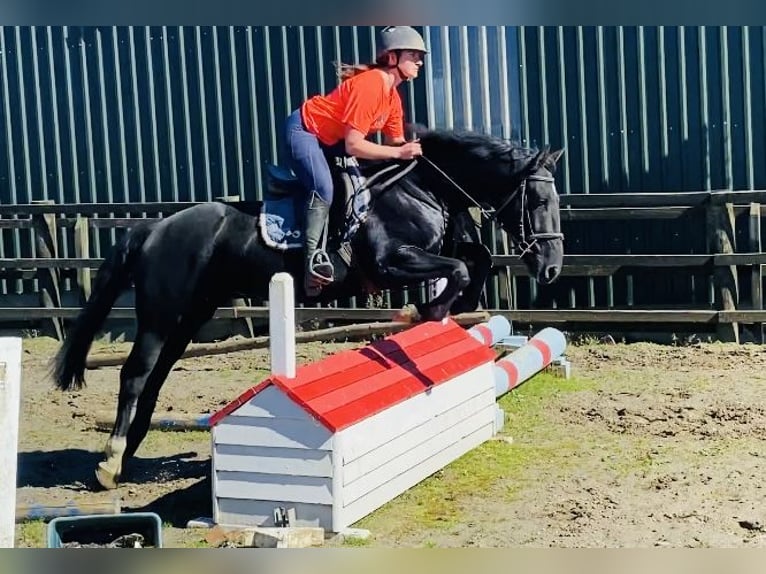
(140, 383)
(133, 376)
(174, 347)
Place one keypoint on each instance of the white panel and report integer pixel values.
(434, 428)
(10, 402)
(267, 460)
(271, 402)
(213, 481)
(286, 488)
(413, 457)
(396, 486)
(370, 433)
(287, 433)
(337, 478)
(261, 513)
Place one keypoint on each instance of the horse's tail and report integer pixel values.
(114, 276)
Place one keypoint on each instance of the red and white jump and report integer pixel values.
(339, 437)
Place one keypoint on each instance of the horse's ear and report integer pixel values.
(553, 157)
(540, 158)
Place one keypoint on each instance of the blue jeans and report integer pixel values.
(306, 158)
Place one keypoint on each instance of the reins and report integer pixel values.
(492, 215)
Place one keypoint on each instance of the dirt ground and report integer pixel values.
(648, 446)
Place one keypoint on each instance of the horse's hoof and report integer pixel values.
(407, 314)
(106, 478)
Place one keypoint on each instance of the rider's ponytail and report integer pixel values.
(346, 71)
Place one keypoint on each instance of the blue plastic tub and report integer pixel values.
(102, 529)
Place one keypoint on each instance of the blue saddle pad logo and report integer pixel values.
(281, 223)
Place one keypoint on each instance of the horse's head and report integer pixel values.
(530, 215)
(516, 182)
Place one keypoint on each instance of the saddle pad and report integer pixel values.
(281, 223)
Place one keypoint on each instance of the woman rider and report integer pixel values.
(366, 101)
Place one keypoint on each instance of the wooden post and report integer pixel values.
(343, 332)
(10, 400)
(282, 325)
(720, 240)
(82, 251)
(756, 277)
(46, 243)
(35, 511)
(104, 421)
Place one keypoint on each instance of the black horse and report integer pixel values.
(417, 228)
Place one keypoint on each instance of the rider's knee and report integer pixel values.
(324, 187)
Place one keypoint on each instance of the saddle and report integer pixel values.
(282, 219)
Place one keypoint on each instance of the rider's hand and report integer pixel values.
(410, 150)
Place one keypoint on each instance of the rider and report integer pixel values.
(366, 101)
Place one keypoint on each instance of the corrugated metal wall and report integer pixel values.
(648, 108)
(112, 114)
(645, 109)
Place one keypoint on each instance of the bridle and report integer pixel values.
(524, 244)
(527, 240)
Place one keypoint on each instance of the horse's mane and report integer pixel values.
(482, 146)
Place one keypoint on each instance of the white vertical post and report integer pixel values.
(10, 400)
(282, 325)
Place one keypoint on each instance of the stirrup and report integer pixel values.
(320, 267)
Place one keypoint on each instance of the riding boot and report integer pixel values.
(319, 270)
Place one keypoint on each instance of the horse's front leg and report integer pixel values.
(409, 264)
(478, 259)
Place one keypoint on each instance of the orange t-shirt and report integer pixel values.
(361, 102)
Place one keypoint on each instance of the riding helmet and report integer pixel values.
(400, 38)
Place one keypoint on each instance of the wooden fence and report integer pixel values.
(46, 222)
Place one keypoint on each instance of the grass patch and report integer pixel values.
(356, 542)
(191, 538)
(40, 346)
(495, 469)
(32, 534)
(162, 441)
(543, 387)
(434, 503)
(529, 405)
(530, 414)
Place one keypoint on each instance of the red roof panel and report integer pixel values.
(350, 386)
